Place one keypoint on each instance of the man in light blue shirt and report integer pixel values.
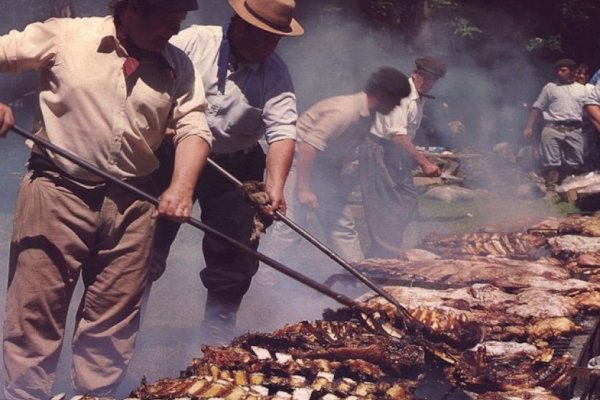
(250, 96)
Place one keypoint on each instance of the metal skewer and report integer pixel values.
(325, 249)
(192, 221)
(340, 298)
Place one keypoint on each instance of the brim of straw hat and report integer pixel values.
(239, 6)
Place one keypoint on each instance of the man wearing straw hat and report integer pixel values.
(109, 88)
(250, 97)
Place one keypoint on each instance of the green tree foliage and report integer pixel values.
(545, 29)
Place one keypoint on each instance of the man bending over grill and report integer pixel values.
(561, 143)
(109, 88)
(250, 96)
(387, 159)
(328, 134)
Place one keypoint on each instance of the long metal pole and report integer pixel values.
(321, 246)
(340, 298)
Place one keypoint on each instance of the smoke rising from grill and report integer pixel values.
(335, 56)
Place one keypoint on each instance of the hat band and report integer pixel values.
(429, 71)
(283, 28)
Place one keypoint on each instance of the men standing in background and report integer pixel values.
(250, 96)
(387, 159)
(328, 135)
(109, 88)
(561, 143)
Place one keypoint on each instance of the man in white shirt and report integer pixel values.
(386, 161)
(561, 105)
(250, 96)
(328, 134)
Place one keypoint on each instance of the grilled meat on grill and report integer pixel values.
(340, 341)
(500, 272)
(506, 366)
(537, 393)
(530, 315)
(573, 225)
(571, 246)
(515, 245)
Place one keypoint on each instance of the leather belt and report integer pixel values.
(573, 124)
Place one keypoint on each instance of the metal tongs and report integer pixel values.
(403, 313)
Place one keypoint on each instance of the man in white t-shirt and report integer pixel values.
(387, 159)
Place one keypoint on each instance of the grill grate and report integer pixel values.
(581, 348)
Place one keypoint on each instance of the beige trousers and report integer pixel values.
(63, 230)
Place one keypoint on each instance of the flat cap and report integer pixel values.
(565, 62)
(432, 65)
(174, 5)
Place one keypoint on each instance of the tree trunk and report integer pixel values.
(61, 8)
(425, 38)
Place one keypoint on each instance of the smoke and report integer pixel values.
(335, 56)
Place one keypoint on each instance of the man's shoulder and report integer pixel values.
(198, 38)
(81, 25)
(178, 59)
(348, 104)
(275, 64)
(207, 31)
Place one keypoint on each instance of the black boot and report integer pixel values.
(218, 325)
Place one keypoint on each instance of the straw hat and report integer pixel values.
(269, 15)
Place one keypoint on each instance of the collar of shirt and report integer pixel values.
(109, 42)
(233, 62)
(414, 94)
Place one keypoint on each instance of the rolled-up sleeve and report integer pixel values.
(279, 113)
(33, 48)
(395, 123)
(542, 100)
(280, 116)
(190, 103)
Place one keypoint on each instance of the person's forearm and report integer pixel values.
(593, 111)
(533, 116)
(190, 158)
(304, 163)
(407, 144)
(279, 161)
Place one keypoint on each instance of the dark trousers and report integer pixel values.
(229, 271)
(388, 194)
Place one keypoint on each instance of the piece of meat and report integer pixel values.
(500, 272)
(537, 393)
(516, 245)
(571, 246)
(502, 366)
